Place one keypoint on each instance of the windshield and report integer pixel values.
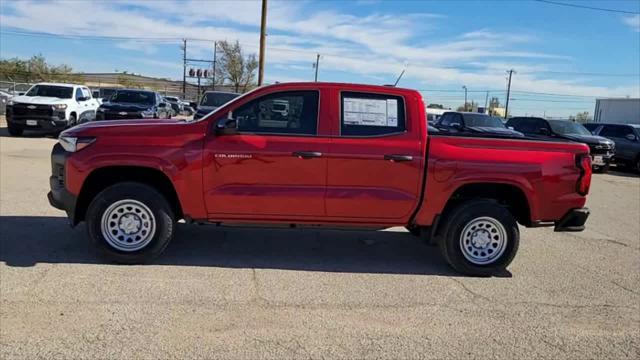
(217, 99)
(568, 127)
(134, 97)
(62, 92)
(479, 120)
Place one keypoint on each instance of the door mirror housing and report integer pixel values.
(631, 137)
(457, 126)
(162, 105)
(227, 126)
(544, 131)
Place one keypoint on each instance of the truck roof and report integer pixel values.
(382, 88)
(58, 84)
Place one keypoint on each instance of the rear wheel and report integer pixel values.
(601, 169)
(130, 222)
(13, 130)
(480, 238)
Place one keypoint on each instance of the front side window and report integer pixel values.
(292, 112)
(364, 114)
(615, 131)
(563, 127)
(79, 96)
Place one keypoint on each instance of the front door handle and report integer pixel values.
(398, 158)
(307, 154)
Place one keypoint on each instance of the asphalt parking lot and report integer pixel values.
(289, 293)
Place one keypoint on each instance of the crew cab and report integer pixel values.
(50, 107)
(134, 104)
(346, 155)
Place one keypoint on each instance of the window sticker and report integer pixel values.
(370, 112)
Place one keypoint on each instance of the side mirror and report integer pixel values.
(85, 98)
(544, 131)
(630, 137)
(457, 126)
(510, 128)
(227, 126)
(162, 105)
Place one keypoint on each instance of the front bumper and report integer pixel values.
(55, 120)
(573, 220)
(59, 197)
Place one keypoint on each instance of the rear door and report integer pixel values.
(375, 158)
(274, 168)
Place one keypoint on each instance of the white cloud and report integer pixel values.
(371, 46)
(632, 21)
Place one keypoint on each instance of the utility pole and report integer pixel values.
(506, 107)
(215, 50)
(316, 66)
(465, 97)
(184, 68)
(263, 30)
(486, 102)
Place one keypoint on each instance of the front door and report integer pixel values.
(273, 168)
(375, 160)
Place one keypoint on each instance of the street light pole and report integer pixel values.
(506, 107)
(317, 64)
(263, 30)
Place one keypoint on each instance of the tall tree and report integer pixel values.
(234, 67)
(36, 69)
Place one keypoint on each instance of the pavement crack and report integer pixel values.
(471, 292)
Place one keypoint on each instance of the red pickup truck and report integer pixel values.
(317, 153)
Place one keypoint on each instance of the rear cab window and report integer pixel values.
(370, 114)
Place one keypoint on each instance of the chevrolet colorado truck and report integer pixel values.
(50, 107)
(343, 155)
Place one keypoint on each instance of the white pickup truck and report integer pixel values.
(50, 107)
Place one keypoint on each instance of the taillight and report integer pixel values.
(583, 162)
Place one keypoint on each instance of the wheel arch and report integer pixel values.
(103, 177)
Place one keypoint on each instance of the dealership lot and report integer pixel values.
(273, 293)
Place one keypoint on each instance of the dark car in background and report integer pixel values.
(601, 149)
(134, 104)
(212, 100)
(474, 123)
(627, 140)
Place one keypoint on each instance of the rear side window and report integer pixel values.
(364, 114)
(292, 112)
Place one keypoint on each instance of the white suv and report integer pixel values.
(50, 107)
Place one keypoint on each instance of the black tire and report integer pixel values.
(463, 214)
(73, 120)
(153, 200)
(13, 130)
(414, 230)
(601, 169)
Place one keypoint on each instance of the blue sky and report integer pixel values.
(442, 44)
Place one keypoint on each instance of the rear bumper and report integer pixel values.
(573, 220)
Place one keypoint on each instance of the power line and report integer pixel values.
(555, 101)
(587, 7)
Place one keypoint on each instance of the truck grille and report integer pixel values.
(601, 149)
(115, 115)
(32, 110)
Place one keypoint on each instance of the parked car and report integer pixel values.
(175, 103)
(467, 122)
(358, 157)
(627, 140)
(134, 104)
(18, 89)
(602, 149)
(103, 94)
(50, 107)
(211, 100)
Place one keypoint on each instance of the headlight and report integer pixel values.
(100, 109)
(73, 143)
(59, 106)
(10, 102)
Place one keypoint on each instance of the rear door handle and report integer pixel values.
(307, 154)
(398, 158)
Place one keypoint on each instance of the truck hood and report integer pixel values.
(128, 107)
(39, 100)
(495, 130)
(588, 139)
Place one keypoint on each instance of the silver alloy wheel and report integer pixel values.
(128, 225)
(483, 240)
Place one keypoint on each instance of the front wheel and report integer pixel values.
(130, 222)
(480, 238)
